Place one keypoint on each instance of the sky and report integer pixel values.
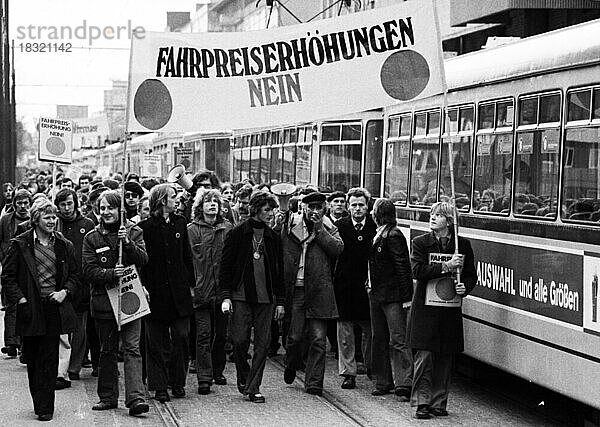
(79, 77)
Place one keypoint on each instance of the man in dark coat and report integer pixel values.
(311, 245)
(435, 333)
(250, 283)
(357, 231)
(40, 275)
(168, 277)
(21, 202)
(74, 227)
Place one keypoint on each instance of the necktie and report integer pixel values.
(444, 243)
(358, 226)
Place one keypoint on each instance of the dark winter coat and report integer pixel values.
(351, 270)
(169, 274)
(389, 264)
(322, 252)
(207, 243)
(237, 264)
(100, 255)
(8, 230)
(438, 329)
(75, 232)
(20, 279)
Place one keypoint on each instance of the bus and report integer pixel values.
(522, 130)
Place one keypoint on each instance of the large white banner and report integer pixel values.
(183, 82)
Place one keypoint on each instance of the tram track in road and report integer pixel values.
(327, 399)
(166, 413)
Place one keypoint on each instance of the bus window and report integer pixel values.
(528, 111)
(293, 136)
(245, 168)
(578, 105)
(301, 134)
(420, 122)
(581, 182)
(289, 163)
(303, 154)
(351, 132)
(265, 164)
(394, 127)
(536, 173)
(339, 168)
(330, 133)
(461, 155)
(596, 105)
(550, 108)
(237, 165)
(453, 119)
(486, 116)
(397, 151)
(433, 123)
(504, 114)
(276, 164)
(373, 155)
(255, 164)
(423, 185)
(405, 126)
(466, 118)
(493, 173)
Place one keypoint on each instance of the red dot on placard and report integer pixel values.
(404, 75)
(130, 303)
(55, 146)
(186, 163)
(445, 289)
(152, 104)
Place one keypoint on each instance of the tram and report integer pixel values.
(524, 122)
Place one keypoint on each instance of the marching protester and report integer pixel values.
(435, 333)
(240, 211)
(390, 293)
(250, 283)
(356, 231)
(133, 193)
(311, 245)
(168, 277)
(6, 197)
(9, 222)
(40, 276)
(101, 268)
(337, 206)
(74, 227)
(143, 210)
(206, 235)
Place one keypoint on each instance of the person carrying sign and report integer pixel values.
(100, 269)
(435, 332)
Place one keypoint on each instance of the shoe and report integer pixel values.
(103, 406)
(138, 407)
(192, 369)
(45, 417)
(256, 398)
(220, 380)
(95, 372)
(61, 384)
(349, 382)
(162, 396)
(241, 387)
(315, 391)
(423, 412)
(10, 351)
(87, 363)
(380, 392)
(360, 369)
(289, 375)
(203, 388)
(438, 412)
(178, 392)
(403, 393)
(272, 352)
(73, 376)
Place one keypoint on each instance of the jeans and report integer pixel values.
(211, 330)
(245, 315)
(431, 381)
(10, 323)
(41, 353)
(108, 373)
(316, 331)
(78, 344)
(167, 353)
(392, 359)
(346, 345)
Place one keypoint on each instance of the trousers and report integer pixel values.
(211, 330)
(431, 381)
(346, 345)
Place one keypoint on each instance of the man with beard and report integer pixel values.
(8, 228)
(74, 227)
(240, 211)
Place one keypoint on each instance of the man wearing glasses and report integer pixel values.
(133, 193)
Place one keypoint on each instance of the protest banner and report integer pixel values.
(180, 82)
(133, 303)
(441, 292)
(56, 140)
(184, 156)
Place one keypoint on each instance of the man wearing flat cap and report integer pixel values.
(133, 193)
(311, 245)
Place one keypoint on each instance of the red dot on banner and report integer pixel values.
(445, 289)
(152, 104)
(55, 146)
(153, 169)
(186, 163)
(130, 303)
(404, 74)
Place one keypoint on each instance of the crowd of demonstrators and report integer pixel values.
(224, 265)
